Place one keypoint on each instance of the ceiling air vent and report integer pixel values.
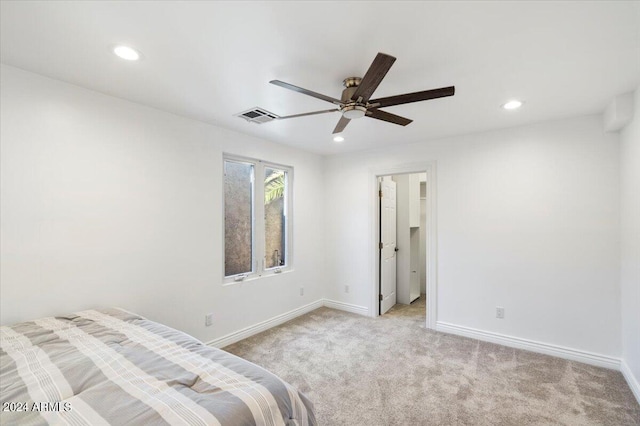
(257, 115)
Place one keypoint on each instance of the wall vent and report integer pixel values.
(257, 115)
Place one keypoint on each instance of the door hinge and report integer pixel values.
(380, 193)
(381, 298)
(380, 246)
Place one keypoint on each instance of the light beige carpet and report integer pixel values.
(392, 371)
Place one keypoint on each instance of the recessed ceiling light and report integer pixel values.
(127, 53)
(514, 104)
(338, 138)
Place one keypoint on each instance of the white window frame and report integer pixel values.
(258, 239)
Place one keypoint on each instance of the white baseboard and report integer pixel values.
(530, 345)
(348, 307)
(236, 336)
(631, 380)
(501, 339)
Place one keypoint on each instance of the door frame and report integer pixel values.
(429, 168)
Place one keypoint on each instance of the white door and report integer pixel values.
(388, 244)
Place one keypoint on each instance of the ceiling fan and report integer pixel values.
(355, 101)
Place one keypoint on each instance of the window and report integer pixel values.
(256, 218)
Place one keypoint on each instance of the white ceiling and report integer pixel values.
(211, 60)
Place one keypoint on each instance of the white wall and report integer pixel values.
(110, 203)
(630, 243)
(106, 202)
(528, 219)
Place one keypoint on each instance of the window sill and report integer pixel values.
(255, 277)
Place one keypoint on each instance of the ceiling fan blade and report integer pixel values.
(308, 113)
(413, 97)
(306, 92)
(387, 116)
(373, 77)
(342, 123)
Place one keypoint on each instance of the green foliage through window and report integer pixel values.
(274, 185)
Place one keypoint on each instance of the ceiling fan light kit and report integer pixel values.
(352, 112)
(355, 101)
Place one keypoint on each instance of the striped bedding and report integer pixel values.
(110, 366)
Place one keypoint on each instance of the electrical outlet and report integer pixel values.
(301, 291)
(346, 289)
(499, 312)
(208, 320)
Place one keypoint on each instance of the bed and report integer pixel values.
(110, 366)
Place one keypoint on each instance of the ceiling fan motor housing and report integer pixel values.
(351, 109)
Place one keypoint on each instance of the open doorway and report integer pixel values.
(401, 236)
(417, 258)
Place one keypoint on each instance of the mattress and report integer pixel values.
(100, 367)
